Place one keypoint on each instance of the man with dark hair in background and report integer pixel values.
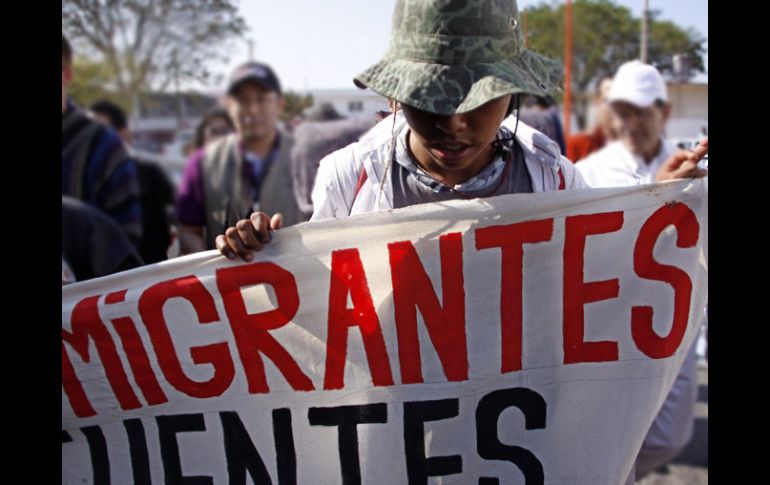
(156, 191)
(247, 171)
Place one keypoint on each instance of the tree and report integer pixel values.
(295, 105)
(150, 44)
(667, 38)
(605, 35)
(92, 81)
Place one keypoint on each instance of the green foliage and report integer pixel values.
(605, 35)
(92, 81)
(295, 105)
(151, 44)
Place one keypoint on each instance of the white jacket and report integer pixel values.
(334, 193)
(615, 166)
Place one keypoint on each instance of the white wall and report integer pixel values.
(689, 110)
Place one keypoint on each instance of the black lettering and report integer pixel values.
(346, 418)
(488, 444)
(137, 442)
(168, 427)
(284, 447)
(241, 453)
(418, 466)
(65, 437)
(97, 446)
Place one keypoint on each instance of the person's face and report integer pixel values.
(254, 111)
(455, 146)
(215, 128)
(638, 128)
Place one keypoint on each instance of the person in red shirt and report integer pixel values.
(582, 144)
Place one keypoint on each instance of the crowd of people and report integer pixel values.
(495, 132)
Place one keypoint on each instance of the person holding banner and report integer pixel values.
(453, 137)
(639, 110)
(457, 76)
(246, 171)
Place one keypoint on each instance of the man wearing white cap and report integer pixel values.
(639, 110)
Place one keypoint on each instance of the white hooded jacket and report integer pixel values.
(337, 193)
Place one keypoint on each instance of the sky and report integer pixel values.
(323, 44)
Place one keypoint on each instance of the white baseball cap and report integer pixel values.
(639, 84)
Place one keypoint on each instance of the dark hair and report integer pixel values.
(112, 111)
(66, 53)
(546, 101)
(201, 128)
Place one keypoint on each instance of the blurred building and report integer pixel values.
(350, 103)
(689, 109)
(166, 118)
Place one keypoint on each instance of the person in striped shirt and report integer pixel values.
(95, 165)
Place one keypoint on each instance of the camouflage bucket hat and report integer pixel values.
(452, 56)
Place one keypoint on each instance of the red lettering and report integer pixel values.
(116, 297)
(137, 355)
(578, 292)
(139, 360)
(511, 238)
(348, 277)
(412, 289)
(86, 325)
(151, 304)
(251, 330)
(687, 228)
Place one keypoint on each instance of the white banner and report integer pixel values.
(524, 338)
